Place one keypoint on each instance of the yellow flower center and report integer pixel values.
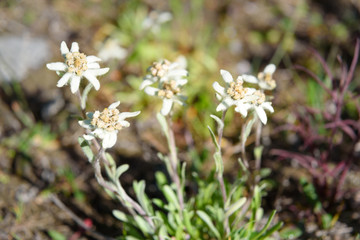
(158, 69)
(267, 78)
(236, 90)
(107, 120)
(260, 99)
(169, 89)
(76, 62)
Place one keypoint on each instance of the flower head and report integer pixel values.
(264, 79)
(76, 66)
(169, 91)
(258, 104)
(111, 49)
(163, 71)
(243, 98)
(155, 19)
(168, 79)
(106, 124)
(233, 92)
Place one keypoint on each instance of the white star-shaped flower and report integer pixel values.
(111, 49)
(259, 105)
(169, 91)
(155, 20)
(106, 124)
(164, 71)
(265, 79)
(233, 93)
(168, 79)
(76, 66)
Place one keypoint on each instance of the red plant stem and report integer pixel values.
(316, 78)
(340, 99)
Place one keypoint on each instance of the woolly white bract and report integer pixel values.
(244, 98)
(76, 66)
(106, 124)
(264, 79)
(168, 79)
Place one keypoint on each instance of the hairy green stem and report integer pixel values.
(257, 144)
(174, 164)
(220, 174)
(119, 192)
(97, 166)
(243, 141)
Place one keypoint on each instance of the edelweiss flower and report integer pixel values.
(258, 104)
(169, 78)
(155, 19)
(233, 93)
(76, 66)
(106, 124)
(169, 92)
(265, 79)
(163, 71)
(111, 49)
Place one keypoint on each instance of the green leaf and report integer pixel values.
(326, 220)
(55, 235)
(265, 172)
(310, 193)
(86, 149)
(248, 129)
(120, 215)
(160, 178)
(257, 197)
(84, 95)
(143, 225)
(217, 155)
(235, 206)
(218, 162)
(275, 228)
(259, 214)
(158, 202)
(139, 188)
(208, 222)
(171, 196)
(187, 221)
(120, 170)
(242, 165)
(214, 139)
(272, 215)
(132, 238)
(258, 152)
(110, 159)
(110, 167)
(290, 233)
(218, 120)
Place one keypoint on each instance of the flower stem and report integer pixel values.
(220, 175)
(83, 112)
(122, 196)
(120, 193)
(243, 141)
(257, 144)
(174, 164)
